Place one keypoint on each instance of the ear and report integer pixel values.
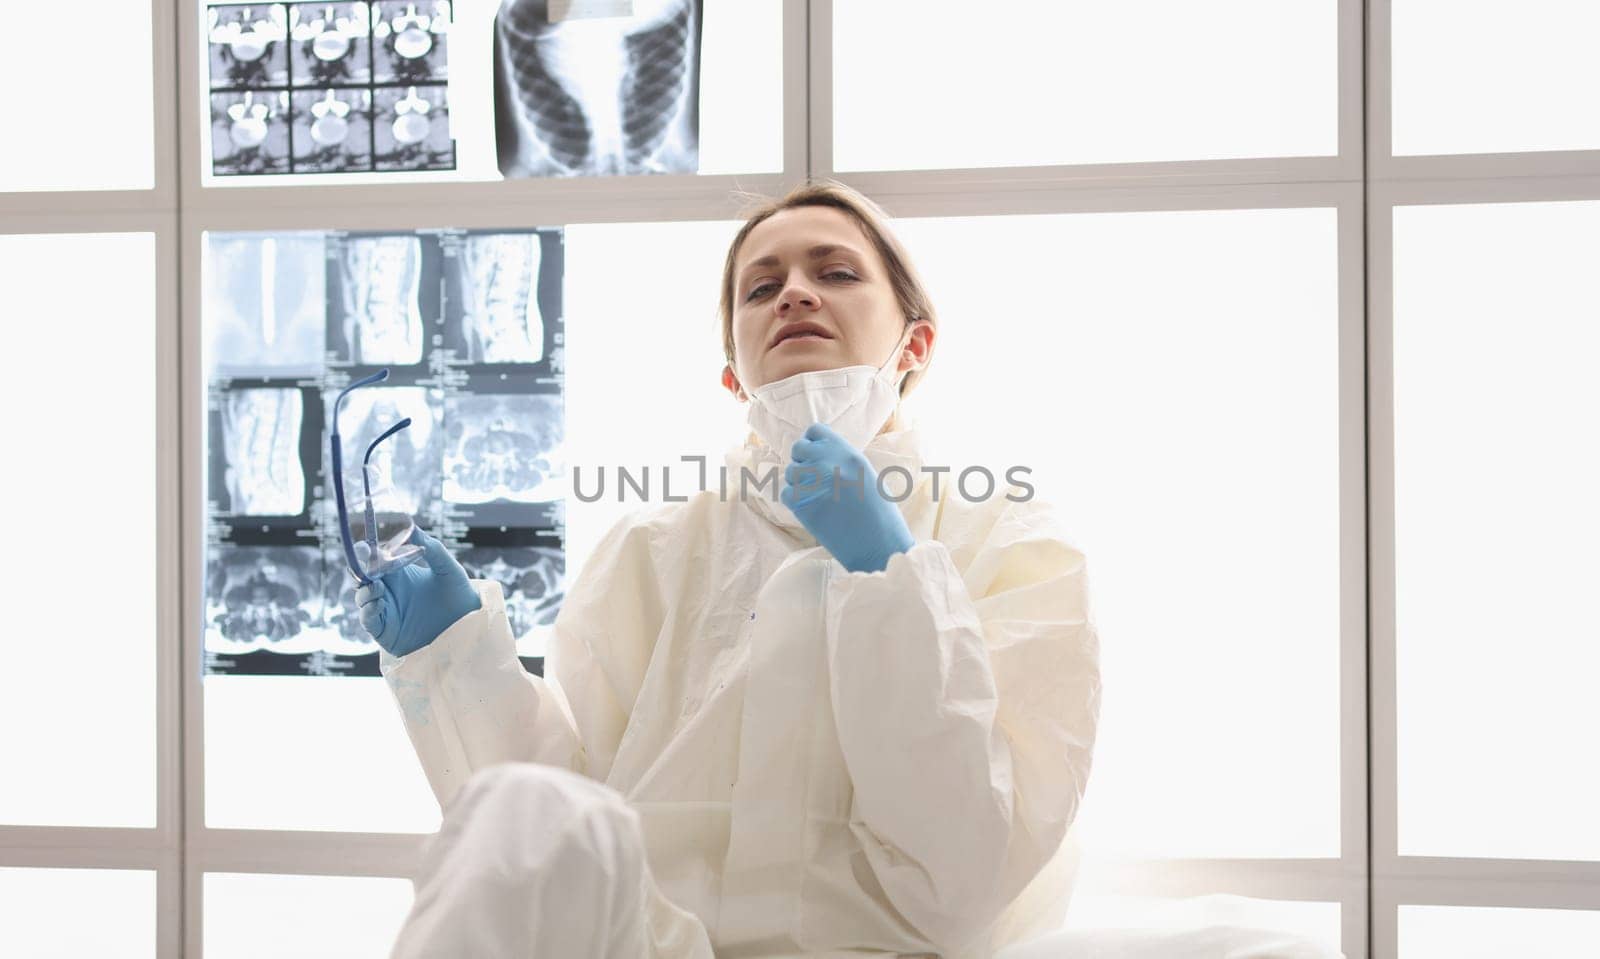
(731, 384)
(920, 346)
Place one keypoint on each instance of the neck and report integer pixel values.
(893, 423)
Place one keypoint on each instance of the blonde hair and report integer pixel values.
(909, 292)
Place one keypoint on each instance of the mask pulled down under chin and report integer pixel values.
(855, 401)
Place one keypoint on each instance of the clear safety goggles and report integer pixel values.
(369, 554)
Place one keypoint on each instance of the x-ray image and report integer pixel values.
(375, 299)
(263, 597)
(469, 325)
(247, 45)
(259, 452)
(532, 578)
(250, 132)
(264, 304)
(606, 96)
(504, 448)
(345, 635)
(332, 130)
(329, 87)
(330, 43)
(410, 40)
(411, 129)
(409, 460)
(493, 313)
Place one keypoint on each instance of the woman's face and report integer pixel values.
(810, 293)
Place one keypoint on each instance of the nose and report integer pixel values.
(795, 294)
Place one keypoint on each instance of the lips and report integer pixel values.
(801, 328)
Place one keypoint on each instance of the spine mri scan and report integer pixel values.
(468, 326)
(261, 438)
(500, 312)
(382, 320)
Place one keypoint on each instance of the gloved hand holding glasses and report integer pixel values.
(412, 589)
(407, 608)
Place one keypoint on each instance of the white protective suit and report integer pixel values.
(821, 763)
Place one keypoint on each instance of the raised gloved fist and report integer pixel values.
(408, 608)
(832, 489)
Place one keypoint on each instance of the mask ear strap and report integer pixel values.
(899, 348)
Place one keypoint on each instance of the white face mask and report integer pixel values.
(854, 400)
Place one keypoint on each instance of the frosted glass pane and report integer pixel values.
(922, 84)
(740, 105)
(251, 916)
(287, 752)
(1216, 924)
(1480, 76)
(80, 112)
(1170, 379)
(651, 288)
(42, 913)
(1496, 336)
(82, 686)
(1463, 932)
(741, 89)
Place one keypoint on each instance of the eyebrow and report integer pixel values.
(815, 253)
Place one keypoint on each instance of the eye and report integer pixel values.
(846, 274)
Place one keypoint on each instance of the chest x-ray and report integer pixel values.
(598, 96)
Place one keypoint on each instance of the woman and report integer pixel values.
(833, 724)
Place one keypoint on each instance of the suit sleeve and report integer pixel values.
(965, 683)
(467, 702)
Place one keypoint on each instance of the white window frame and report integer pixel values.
(154, 211)
(1392, 182)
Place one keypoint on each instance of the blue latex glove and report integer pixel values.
(832, 489)
(408, 608)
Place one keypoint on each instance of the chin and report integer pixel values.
(806, 365)
(802, 364)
